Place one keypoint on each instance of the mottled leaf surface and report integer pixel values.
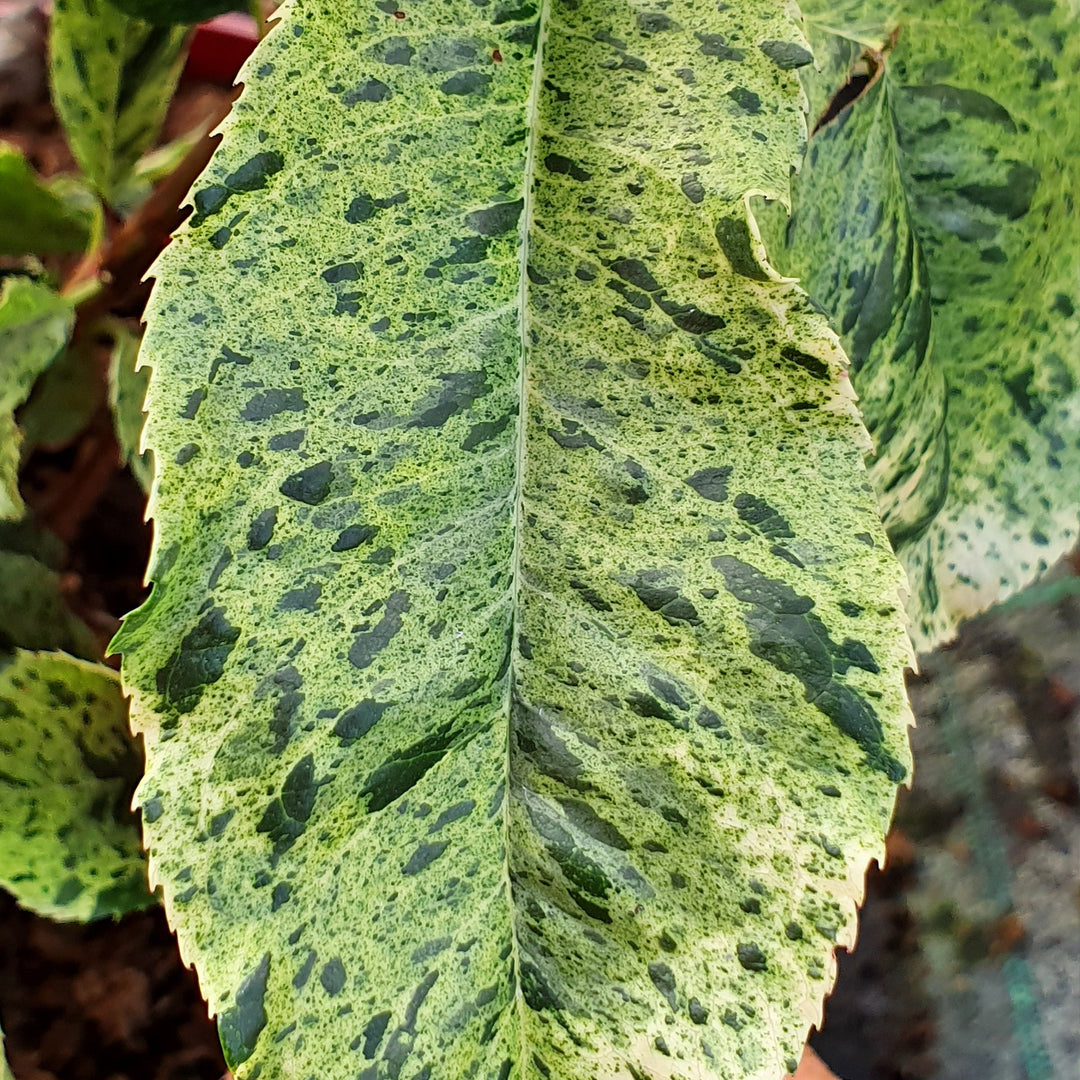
(69, 843)
(112, 78)
(521, 679)
(936, 220)
(37, 217)
(34, 326)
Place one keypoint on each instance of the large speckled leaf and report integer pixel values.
(69, 843)
(112, 78)
(936, 220)
(41, 218)
(521, 679)
(34, 326)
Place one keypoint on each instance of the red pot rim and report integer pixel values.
(220, 47)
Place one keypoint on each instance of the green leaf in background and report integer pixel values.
(42, 218)
(154, 166)
(33, 614)
(127, 392)
(522, 678)
(936, 221)
(23, 537)
(69, 843)
(71, 390)
(168, 12)
(35, 323)
(64, 400)
(112, 79)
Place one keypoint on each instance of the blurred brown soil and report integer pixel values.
(108, 1001)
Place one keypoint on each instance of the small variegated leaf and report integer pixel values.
(521, 679)
(936, 221)
(127, 391)
(169, 12)
(39, 218)
(35, 323)
(69, 843)
(112, 78)
(33, 613)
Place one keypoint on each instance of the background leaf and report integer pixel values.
(127, 391)
(35, 323)
(112, 79)
(33, 614)
(166, 12)
(42, 218)
(155, 165)
(935, 220)
(69, 844)
(521, 679)
(5, 1071)
(65, 399)
(24, 537)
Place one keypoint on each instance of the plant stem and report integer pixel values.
(260, 18)
(79, 292)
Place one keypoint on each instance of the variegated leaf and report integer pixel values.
(112, 78)
(522, 676)
(39, 218)
(34, 326)
(69, 844)
(936, 221)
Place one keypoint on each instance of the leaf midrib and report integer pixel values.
(532, 120)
